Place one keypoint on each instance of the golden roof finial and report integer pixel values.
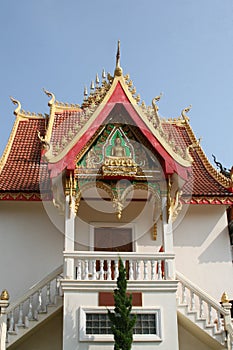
(118, 70)
(5, 295)
(225, 298)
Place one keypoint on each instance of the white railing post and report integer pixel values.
(169, 265)
(69, 236)
(4, 303)
(228, 324)
(140, 266)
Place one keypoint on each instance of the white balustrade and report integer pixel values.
(35, 301)
(104, 266)
(197, 300)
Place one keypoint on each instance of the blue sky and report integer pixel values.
(183, 48)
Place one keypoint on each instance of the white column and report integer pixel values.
(3, 323)
(167, 239)
(69, 237)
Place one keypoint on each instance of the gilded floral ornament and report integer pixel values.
(174, 205)
(43, 140)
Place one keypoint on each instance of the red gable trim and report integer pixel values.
(118, 96)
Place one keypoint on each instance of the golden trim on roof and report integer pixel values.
(147, 114)
(220, 178)
(19, 112)
(9, 144)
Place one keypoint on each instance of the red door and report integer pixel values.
(112, 239)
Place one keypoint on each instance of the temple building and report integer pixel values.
(85, 185)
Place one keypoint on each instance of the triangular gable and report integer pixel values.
(118, 94)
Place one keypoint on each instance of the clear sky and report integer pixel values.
(183, 48)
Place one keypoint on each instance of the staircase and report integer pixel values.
(36, 306)
(203, 315)
(200, 314)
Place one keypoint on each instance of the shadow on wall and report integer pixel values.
(213, 254)
(197, 226)
(72, 332)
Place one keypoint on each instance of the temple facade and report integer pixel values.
(88, 184)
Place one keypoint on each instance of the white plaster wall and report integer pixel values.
(31, 245)
(202, 247)
(165, 300)
(46, 337)
(188, 341)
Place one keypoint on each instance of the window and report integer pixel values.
(95, 325)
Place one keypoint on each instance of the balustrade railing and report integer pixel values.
(104, 265)
(198, 301)
(34, 302)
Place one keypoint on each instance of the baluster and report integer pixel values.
(159, 270)
(30, 309)
(35, 315)
(39, 307)
(109, 270)
(94, 270)
(201, 308)
(26, 322)
(57, 289)
(48, 295)
(218, 325)
(152, 270)
(11, 323)
(184, 295)
(16, 329)
(116, 269)
(86, 272)
(20, 319)
(145, 269)
(79, 270)
(192, 301)
(130, 270)
(210, 319)
(101, 269)
(137, 270)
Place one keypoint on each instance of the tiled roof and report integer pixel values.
(23, 170)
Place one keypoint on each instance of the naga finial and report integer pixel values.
(184, 111)
(50, 94)
(16, 102)
(226, 172)
(43, 140)
(118, 69)
(156, 108)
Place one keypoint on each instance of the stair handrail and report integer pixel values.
(35, 288)
(224, 310)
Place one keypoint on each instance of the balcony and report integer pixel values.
(103, 266)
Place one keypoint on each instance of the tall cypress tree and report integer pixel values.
(121, 319)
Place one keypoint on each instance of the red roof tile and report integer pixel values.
(23, 170)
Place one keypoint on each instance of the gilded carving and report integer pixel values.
(174, 205)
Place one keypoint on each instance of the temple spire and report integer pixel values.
(118, 69)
